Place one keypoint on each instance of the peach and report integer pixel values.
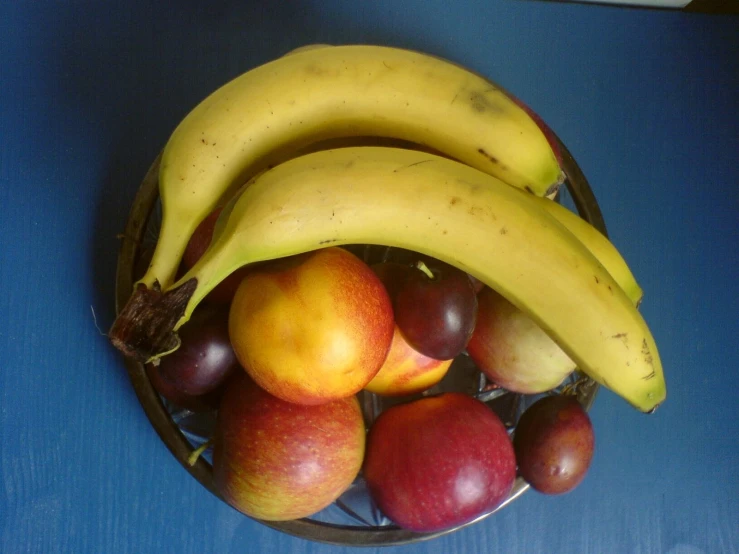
(312, 328)
(406, 371)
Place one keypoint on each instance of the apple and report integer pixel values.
(312, 328)
(512, 350)
(277, 461)
(438, 462)
(201, 238)
(405, 371)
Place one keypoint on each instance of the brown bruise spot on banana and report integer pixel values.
(495, 161)
(481, 104)
(490, 157)
(472, 209)
(646, 352)
(624, 338)
(317, 71)
(597, 282)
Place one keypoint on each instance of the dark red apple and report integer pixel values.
(439, 462)
(554, 444)
(435, 309)
(275, 460)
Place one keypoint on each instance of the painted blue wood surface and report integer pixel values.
(646, 100)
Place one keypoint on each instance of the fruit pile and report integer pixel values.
(253, 303)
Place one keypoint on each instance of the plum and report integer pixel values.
(554, 444)
(436, 309)
(205, 358)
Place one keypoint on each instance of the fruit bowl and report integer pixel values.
(352, 519)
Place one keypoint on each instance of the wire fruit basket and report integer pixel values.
(352, 519)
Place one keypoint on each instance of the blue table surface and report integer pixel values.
(646, 100)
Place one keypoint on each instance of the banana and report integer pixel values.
(599, 246)
(306, 47)
(435, 206)
(327, 92)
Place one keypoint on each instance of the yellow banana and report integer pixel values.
(599, 245)
(327, 92)
(307, 47)
(435, 206)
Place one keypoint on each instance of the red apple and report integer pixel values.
(439, 462)
(224, 292)
(512, 350)
(312, 328)
(275, 460)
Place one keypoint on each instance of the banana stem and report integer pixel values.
(144, 330)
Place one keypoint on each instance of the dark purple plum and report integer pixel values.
(205, 358)
(202, 403)
(436, 309)
(554, 444)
